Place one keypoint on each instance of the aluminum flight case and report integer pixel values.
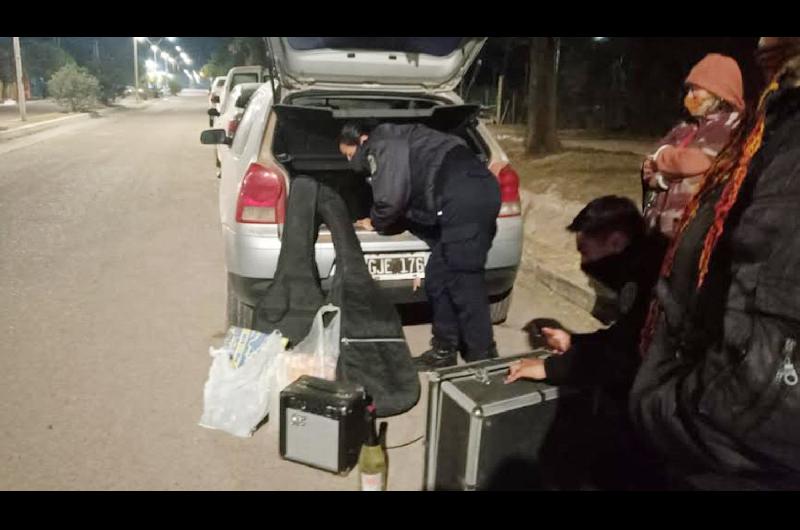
(483, 434)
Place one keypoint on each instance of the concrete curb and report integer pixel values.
(24, 130)
(549, 257)
(601, 305)
(32, 128)
(574, 293)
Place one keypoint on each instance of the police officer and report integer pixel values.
(432, 184)
(618, 251)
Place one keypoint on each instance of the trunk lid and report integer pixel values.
(428, 64)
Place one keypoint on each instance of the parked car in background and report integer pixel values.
(213, 96)
(238, 75)
(323, 83)
(227, 118)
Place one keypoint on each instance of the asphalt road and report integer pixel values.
(112, 283)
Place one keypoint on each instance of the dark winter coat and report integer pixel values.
(717, 392)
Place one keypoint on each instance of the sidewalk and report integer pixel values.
(44, 114)
(555, 188)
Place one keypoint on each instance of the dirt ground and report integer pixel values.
(589, 166)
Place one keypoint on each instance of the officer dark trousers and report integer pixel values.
(468, 197)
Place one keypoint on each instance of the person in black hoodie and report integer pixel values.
(432, 184)
(717, 393)
(617, 251)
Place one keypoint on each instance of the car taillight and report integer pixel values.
(232, 126)
(262, 198)
(509, 192)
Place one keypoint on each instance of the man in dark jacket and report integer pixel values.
(717, 393)
(616, 251)
(433, 185)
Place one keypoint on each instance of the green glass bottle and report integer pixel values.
(372, 460)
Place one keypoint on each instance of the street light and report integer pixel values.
(136, 41)
(154, 46)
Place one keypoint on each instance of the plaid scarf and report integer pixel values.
(734, 170)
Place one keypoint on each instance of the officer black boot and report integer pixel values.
(441, 355)
(491, 353)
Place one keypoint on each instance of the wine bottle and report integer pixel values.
(372, 460)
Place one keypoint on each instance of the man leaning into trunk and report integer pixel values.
(432, 184)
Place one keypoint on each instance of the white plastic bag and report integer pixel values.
(237, 392)
(315, 355)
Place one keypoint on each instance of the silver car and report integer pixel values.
(323, 82)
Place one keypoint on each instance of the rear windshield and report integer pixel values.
(238, 79)
(438, 46)
(248, 92)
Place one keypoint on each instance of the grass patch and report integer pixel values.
(577, 174)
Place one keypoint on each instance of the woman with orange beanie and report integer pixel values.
(671, 175)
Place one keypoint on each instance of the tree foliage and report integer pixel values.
(238, 51)
(43, 59)
(74, 88)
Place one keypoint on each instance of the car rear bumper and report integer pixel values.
(499, 283)
(252, 251)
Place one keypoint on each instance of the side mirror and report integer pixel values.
(213, 112)
(215, 137)
(215, 99)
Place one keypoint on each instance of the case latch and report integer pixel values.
(482, 376)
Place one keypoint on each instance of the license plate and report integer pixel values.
(397, 266)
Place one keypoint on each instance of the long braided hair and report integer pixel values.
(732, 166)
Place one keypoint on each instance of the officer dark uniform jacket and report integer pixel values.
(610, 357)
(606, 361)
(432, 184)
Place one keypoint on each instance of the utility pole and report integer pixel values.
(499, 116)
(96, 50)
(20, 87)
(136, 68)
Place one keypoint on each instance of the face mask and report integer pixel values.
(699, 106)
(611, 271)
(359, 162)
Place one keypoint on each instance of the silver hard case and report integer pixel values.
(476, 423)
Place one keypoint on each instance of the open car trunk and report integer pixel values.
(433, 64)
(305, 141)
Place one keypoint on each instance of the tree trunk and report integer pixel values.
(542, 135)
